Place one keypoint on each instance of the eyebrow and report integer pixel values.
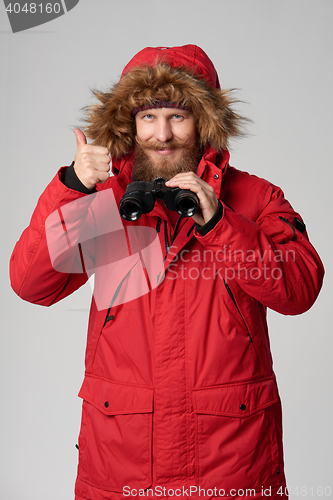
(174, 111)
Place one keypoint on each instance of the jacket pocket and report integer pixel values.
(237, 443)
(115, 440)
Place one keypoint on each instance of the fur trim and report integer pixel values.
(110, 124)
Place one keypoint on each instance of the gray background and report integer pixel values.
(279, 55)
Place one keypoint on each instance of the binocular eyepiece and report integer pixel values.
(140, 197)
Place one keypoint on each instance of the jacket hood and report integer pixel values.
(188, 57)
(183, 75)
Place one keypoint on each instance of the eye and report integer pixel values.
(148, 116)
(178, 117)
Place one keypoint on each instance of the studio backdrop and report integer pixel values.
(277, 54)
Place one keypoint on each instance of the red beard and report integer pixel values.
(145, 169)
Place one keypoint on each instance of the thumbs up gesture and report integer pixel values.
(91, 163)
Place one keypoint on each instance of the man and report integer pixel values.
(179, 396)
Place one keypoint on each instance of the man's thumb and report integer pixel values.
(80, 137)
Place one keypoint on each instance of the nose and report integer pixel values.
(163, 130)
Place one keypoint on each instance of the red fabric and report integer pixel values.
(179, 388)
(190, 56)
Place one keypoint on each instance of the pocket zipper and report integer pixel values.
(234, 301)
(289, 224)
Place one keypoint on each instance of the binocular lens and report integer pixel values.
(186, 205)
(130, 210)
(140, 197)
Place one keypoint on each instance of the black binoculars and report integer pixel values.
(140, 197)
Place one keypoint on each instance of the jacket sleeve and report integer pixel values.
(270, 258)
(47, 263)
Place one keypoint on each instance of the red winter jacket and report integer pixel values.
(179, 391)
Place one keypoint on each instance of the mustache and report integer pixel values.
(158, 145)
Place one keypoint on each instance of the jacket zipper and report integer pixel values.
(167, 244)
(234, 301)
(166, 239)
(176, 230)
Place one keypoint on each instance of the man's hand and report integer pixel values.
(91, 163)
(208, 202)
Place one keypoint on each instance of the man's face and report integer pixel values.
(166, 143)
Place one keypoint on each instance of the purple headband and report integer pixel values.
(159, 104)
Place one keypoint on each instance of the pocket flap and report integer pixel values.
(115, 398)
(235, 400)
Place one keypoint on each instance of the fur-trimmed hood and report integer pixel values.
(183, 75)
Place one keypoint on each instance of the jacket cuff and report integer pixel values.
(203, 230)
(71, 180)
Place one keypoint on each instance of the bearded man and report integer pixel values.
(179, 395)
